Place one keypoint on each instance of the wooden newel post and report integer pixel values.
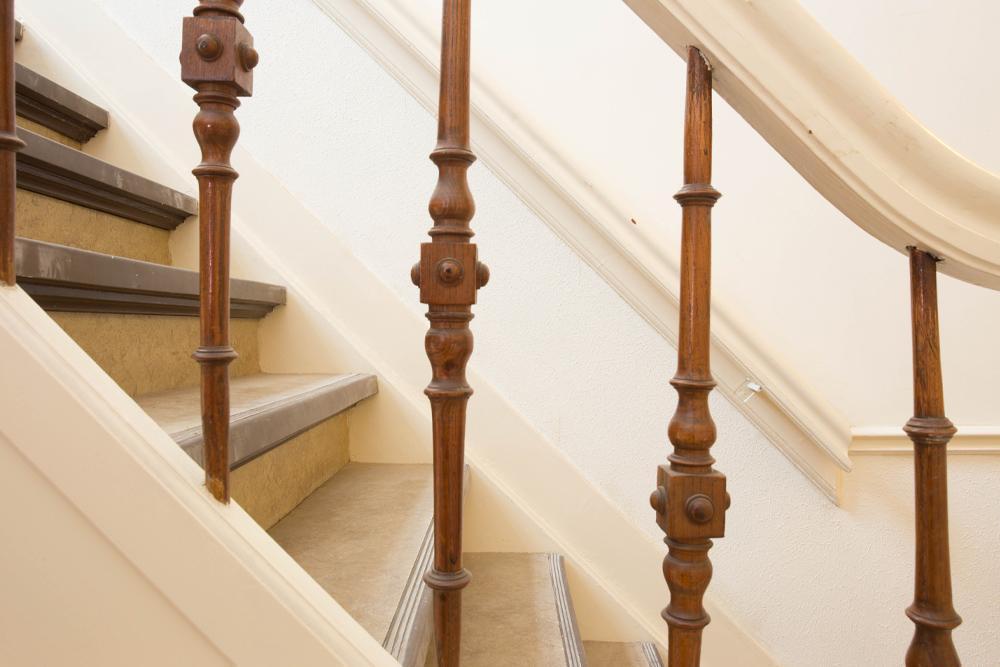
(449, 274)
(932, 611)
(9, 144)
(217, 59)
(690, 499)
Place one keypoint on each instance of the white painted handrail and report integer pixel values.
(835, 124)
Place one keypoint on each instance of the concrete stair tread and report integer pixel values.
(363, 537)
(48, 167)
(622, 654)
(517, 611)
(55, 107)
(266, 409)
(61, 278)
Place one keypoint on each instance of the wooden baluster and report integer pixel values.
(9, 144)
(690, 499)
(449, 274)
(932, 611)
(217, 60)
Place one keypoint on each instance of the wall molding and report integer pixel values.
(122, 468)
(795, 418)
(872, 440)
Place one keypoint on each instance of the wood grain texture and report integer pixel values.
(9, 143)
(690, 499)
(932, 611)
(448, 275)
(217, 59)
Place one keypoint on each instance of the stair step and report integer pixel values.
(52, 106)
(364, 537)
(47, 167)
(61, 278)
(266, 410)
(144, 354)
(518, 611)
(622, 654)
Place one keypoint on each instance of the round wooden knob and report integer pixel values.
(415, 274)
(482, 274)
(208, 47)
(699, 508)
(658, 500)
(449, 271)
(249, 58)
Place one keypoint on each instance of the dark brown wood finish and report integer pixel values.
(690, 499)
(932, 611)
(449, 274)
(9, 143)
(217, 60)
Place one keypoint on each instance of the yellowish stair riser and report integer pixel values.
(46, 219)
(273, 484)
(48, 133)
(150, 353)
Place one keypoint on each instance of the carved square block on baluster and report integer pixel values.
(218, 50)
(696, 503)
(448, 273)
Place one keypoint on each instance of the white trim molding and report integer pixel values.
(840, 129)
(125, 477)
(891, 440)
(797, 420)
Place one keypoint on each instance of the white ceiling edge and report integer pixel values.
(841, 129)
(806, 428)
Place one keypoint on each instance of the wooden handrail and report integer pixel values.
(9, 144)
(449, 274)
(690, 499)
(217, 60)
(932, 611)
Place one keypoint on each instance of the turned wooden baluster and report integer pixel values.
(9, 143)
(448, 275)
(690, 499)
(217, 60)
(932, 611)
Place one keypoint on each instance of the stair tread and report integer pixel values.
(266, 409)
(71, 279)
(512, 614)
(48, 167)
(622, 654)
(55, 107)
(359, 536)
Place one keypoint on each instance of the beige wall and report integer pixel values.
(70, 597)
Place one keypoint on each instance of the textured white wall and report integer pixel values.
(818, 585)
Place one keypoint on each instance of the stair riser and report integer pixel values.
(273, 484)
(150, 353)
(48, 133)
(46, 219)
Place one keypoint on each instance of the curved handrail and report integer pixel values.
(841, 129)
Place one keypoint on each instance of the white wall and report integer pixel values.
(99, 603)
(819, 293)
(818, 585)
